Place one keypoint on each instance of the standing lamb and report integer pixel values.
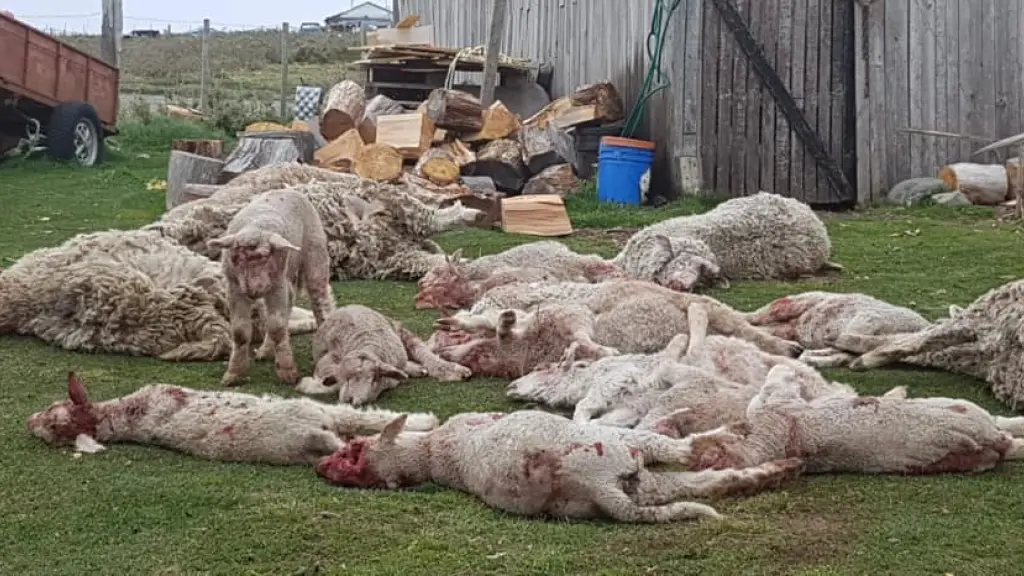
(869, 435)
(537, 464)
(124, 292)
(272, 246)
(359, 353)
(817, 319)
(226, 426)
(762, 236)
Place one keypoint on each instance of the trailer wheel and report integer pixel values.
(74, 133)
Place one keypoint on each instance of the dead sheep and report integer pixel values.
(457, 283)
(762, 236)
(890, 434)
(816, 319)
(982, 341)
(536, 464)
(221, 425)
(359, 353)
(125, 292)
(272, 246)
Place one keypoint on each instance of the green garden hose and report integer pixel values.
(655, 81)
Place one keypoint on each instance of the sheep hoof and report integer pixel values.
(232, 380)
(289, 375)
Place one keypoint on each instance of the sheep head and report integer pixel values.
(359, 377)
(73, 420)
(257, 259)
(600, 270)
(369, 461)
(446, 286)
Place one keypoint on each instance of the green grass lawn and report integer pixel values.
(143, 510)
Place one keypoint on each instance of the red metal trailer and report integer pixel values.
(54, 94)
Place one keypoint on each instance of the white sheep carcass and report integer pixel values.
(359, 353)
(537, 464)
(762, 236)
(124, 292)
(221, 425)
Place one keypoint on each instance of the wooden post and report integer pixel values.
(498, 10)
(284, 71)
(204, 64)
(113, 24)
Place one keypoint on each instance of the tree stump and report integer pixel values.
(343, 109)
(186, 169)
(260, 149)
(208, 148)
(379, 105)
(558, 180)
(502, 160)
(455, 111)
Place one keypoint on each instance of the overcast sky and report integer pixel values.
(84, 15)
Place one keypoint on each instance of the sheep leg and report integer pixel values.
(319, 444)
(587, 348)
(1013, 425)
(697, 316)
(468, 322)
(656, 448)
(731, 323)
(825, 358)
(241, 339)
(434, 365)
(659, 488)
(619, 418)
(912, 344)
(414, 370)
(785, 309)
(278, 309)
(1016, 451)
(619, 506)
(455, 216)
(316, 273)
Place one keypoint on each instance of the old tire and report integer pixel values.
(74, 133)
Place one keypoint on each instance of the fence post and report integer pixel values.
(494, 36)
(284, 70)
(204, 64)
(112, 28)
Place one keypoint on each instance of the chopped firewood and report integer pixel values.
(208, 148)
(266, 127)
(459, 152)
(1014, 177)
(343, 109)
(502, 160)
(341, 152)
(984, 184)
(455, 110)
(440, 135)
(437, 166)
(564, 145)
(499, 122)
(576, 116)
(548, 113)
(604, 97)
(483, 185)
(535, 215)
(300, 125)
(259, 149)
(410, 134)
(379, 162)
(538, 150)
(184, 169)
(558, 180)
(379, 105)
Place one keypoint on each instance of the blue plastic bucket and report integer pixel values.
(621, 162)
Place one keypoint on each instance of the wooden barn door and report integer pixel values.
(777, 102)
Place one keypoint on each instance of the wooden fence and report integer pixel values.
(949, 66)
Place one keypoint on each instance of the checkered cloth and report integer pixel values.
(307, 101)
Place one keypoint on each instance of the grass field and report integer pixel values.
(143, 510)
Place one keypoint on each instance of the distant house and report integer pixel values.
(365, 16)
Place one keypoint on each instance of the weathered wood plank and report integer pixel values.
(798, 55)
(896, 87)
(769, 111)
(842, 98)
(940, 146)
(783, 66)
(954, 120)
(814, 43)
(754, 101)
(738, 111)
(862, 106)
(988, 71)
(712, 25)
(692, 97)
(726, 104)
(970, 77)
(921, 46)
(879, 99)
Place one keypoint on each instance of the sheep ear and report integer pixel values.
(663, 242)
(221, 243)
(389, 371)
(76, 390)
(391, 431)
(454, 257)
(279, 242)
(205, 282)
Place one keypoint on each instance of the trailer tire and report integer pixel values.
(74, 133)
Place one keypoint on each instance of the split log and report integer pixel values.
(535, 215)
(605, 99)
(411, 134)
(185, 168)
(499, 122)
(502, 160)
(379, 162)
(208, 148)
(558, 180)
(260, 149)
(432, 193)
(341, 152)
(437, 166)
(538, 150)
(564, 144)
(455, 110)
(343, 109)
(482, 185)
(984, 184)
(459, 152)
(379, 105)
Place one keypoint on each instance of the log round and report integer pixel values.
(379, 105)
(437, 166)
(455, 110)
(343, 109)
(984, 184)
(379, 162)
(184, 169)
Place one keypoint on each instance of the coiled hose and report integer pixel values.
(655, 81)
